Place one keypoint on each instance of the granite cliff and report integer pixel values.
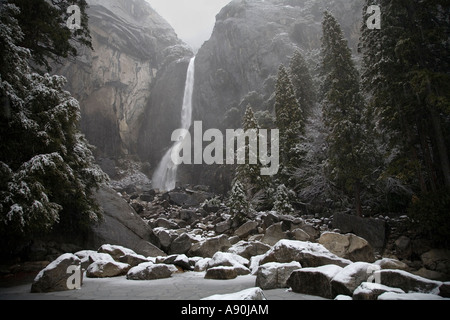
(116, 83)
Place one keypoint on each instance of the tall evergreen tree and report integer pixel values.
(407, 73)
(291, 123)
(46, 35)
(303, 83)
(238, 202)
(349, 149)
(250, 174)
(47, 169)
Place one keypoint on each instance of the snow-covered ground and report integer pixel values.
(185, 286)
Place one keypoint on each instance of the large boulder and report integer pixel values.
(244, 295)
(437, 260)
(349, 278)
(348, 246)
(314, 281)
(115, 251)
(275, 233)
(373, 230)
(121, 225)
(248, 249)
(221, 273)
(149, 271)
(371, 291)
(227, 259)
(307, 253)
(89, 256)
(181, 244)
(107, 269)
(274, 275)
(55, 276)
(408, 282)
(207, 248)
(247, 229)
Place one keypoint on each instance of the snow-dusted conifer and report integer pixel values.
(47, 168)
(282, 204)
(350, 151)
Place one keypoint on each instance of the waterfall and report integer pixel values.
(165, 176)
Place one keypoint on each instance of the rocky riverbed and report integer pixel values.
(189, 233)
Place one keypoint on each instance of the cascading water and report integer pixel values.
(165, 176)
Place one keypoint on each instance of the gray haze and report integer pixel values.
(193, 20)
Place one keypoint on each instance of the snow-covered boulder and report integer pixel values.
(307, 253)
(408, 282)
(371, 291)
(410, 296)
(133, 259)
(274, 275)
(388, 263)
(115, 251)
(180, 260)
(221, 273)
(89, 256)
(201, 265)
(349, 278)
(314, 281)
(245, 295)
(107, 269)
(248, 249)
(149, 271)
(348, 246)
(55, 276)
(227, 259)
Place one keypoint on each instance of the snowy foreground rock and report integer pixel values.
(304, 267)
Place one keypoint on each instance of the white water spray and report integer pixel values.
(165, 176)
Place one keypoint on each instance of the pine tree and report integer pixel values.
(250, 174)
(282, 203)
(46, 35)
(303, 83)
(238, 202)
(47, 169)
(406, 72)
(349, 149)
(290, 122)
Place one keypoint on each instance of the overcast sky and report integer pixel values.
(193, 20)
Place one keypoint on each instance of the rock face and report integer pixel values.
(134, 48)
(121, 226)
(241, 59)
